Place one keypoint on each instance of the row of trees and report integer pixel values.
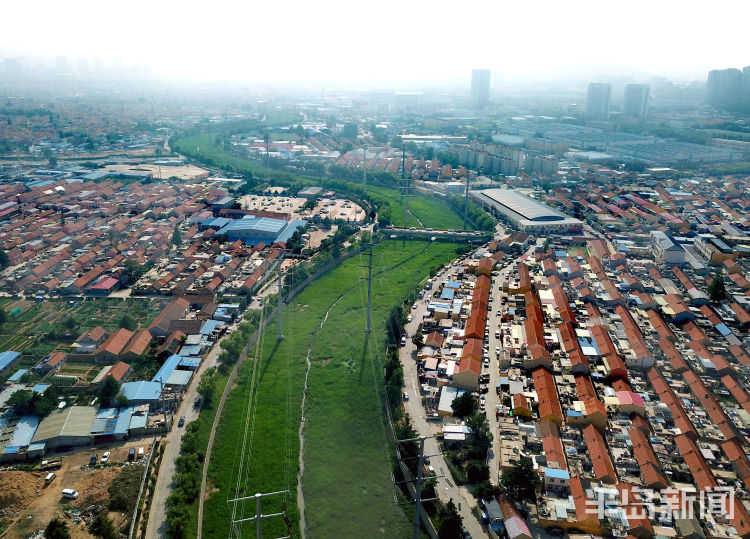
(482, 219)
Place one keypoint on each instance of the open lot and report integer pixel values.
(347, 451)
(31, 505)
(339, 209)
(275, 203)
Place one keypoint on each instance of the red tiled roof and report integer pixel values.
(599, 454)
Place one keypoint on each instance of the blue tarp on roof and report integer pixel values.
(561, 254)
(40, 388)
(452, 284)
(169, 365)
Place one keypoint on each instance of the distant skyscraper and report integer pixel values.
(635, 100)
(724, 88)
(480, 88)
(746, 87)
(597, 99)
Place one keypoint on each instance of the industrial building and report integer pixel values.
(527, 214)
(253, 230)
(67, 427)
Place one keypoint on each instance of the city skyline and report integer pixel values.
(332, 43)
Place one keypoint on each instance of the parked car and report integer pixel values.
(140, 453)
(69, 493)
(406, 396)
(131, 454)
(105, 457)
(181, 422)
(93, 460)
(49, 478)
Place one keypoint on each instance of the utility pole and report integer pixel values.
(466, 201)
(364, 169)
(369, 290)
(236, 531)
(418, 496)
(406, 182)
(281, 303)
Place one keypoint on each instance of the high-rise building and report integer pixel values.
(635, 101)
(724, 88)
(480, 88)
(746, 87)
(597, 99)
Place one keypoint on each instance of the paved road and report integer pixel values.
(446, 488)
(157, 515)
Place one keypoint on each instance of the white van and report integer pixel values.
(49, 478)
(140, 452)
(69, 493)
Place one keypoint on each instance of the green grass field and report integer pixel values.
(347, 483)
(432, 212)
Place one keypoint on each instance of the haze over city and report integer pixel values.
(458, 270)
(386, 43)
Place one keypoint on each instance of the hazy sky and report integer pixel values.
(386, 40)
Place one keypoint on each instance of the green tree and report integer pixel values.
(448, 522)
(108, 391)
(717, 291)
(176, 236)
(3, 317)
(57, 529)
(127, 322)
(207, 386)
(520, 482)
(101, 526)
(464, 405)
(70, 323)
(4, 262)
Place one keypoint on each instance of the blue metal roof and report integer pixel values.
(16, 376)
(554, 472)
(447, 293)
(141, 391)
(191, 350)
(6, 358)
(123, 419)
(169, 365)
(191, 362)
(723, 329)
(210, 325)
(289, 230)
(179, 378)
(23, 434)
(40, 388)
